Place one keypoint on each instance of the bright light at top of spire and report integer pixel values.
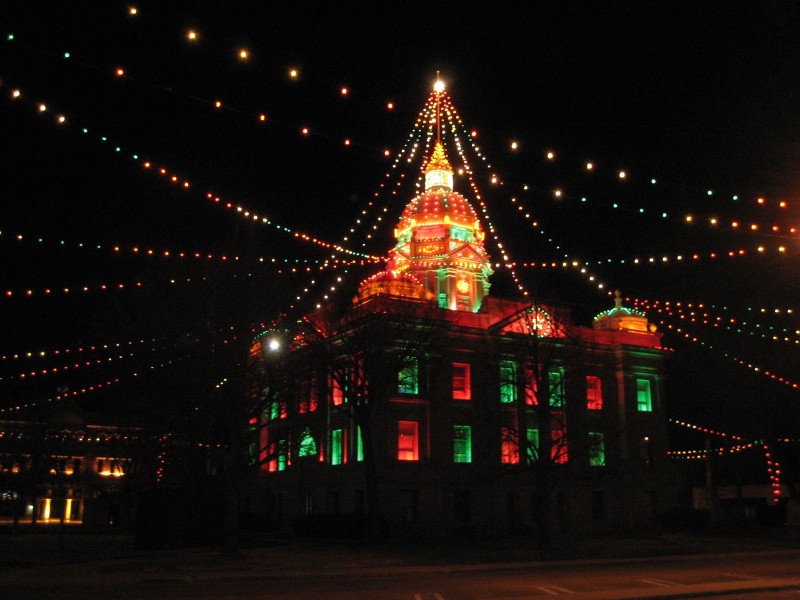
(438, 87)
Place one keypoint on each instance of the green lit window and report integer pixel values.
(307, 447)
(533, 444)
(281, 458)
(508, 382)
(273, 410)
(556, 387)
(462, 443)
(597, 449)
(644, 400)
(408, 379)
(337, 447)
(442, 299)
(360, 443)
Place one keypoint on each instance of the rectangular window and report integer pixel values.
(556, 381)
(461, 382)
(509, 446)
(282, 455)
(408, 379)
(337, 394)
(644, 401)
(360, 443)
(277, 456)
(338, 455)
(533, 444)
(442, 299)
(462, 443)
(597, 449)
(531, 388)
(559, 453)
(313, 394)
(594, 393)
(407, 440)
(508, 382)
(307, 392)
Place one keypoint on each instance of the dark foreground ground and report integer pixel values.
(760, 563)
(44, 546)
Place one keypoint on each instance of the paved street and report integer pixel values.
(303, 573)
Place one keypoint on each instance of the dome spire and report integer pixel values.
(438, 87)
(438, 172)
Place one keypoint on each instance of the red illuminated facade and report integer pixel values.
(507, 404)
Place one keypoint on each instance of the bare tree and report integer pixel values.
(366, 352)
(534, 359)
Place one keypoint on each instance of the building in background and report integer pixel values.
(64, 467)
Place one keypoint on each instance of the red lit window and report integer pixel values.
(407, 440)
(263, 449)
(531, 388)
(509, 446)
(313, 395)
(337, 397)
(308, 396)
(594, 393)
(461, 382)
(558, 436)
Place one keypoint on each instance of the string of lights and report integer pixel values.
(292, 73)
(730, 324)
(143, 250)
(178, 180)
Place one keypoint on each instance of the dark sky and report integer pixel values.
(697, 95)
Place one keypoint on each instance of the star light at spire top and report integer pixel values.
(438, 87)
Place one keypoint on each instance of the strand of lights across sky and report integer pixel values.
(514, 146)
(81, 349)
(453, 117)
(739, 361)
(120, 286)
(456, 125)
(442, 104)
(178, 180)
(246, 213)
(765, 332)
(85, 389)
(772, 465)
(763, 310)
(664, 259)
(142, 250)
(712, 221)
(29, 375)
(258, 117)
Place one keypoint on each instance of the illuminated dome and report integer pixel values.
(391, 283)
(439, 204)
(439, 207)
(440, 241)
(621, 318)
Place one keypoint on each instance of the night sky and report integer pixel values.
(700, 97)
